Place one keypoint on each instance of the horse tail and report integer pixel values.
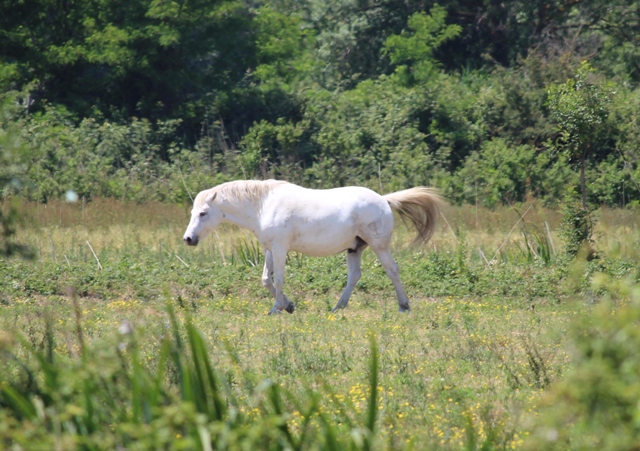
(419, 205)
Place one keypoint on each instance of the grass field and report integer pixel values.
(87, 325)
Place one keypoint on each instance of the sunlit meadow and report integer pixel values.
(487, 336)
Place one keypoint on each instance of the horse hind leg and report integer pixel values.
(391, 267)
(354, 257)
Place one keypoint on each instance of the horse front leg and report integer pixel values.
(279, 260)
(267, 281)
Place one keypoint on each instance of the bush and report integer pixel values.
(596, 405)
(576, 228)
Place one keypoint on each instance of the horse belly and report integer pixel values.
(323, 241)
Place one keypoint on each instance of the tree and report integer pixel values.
(413, 52)
(117, 59)
(579, 108)
(10, 177)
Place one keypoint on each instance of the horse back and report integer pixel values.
(324, 222)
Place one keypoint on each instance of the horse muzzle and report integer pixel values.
(191, 241)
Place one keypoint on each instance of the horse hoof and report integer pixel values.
(290, 308)
(404, 309)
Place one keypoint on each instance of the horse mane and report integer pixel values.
(253, 191)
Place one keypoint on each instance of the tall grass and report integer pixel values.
(107, 223)
(93, 403)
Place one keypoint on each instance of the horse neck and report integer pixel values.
(242, 214)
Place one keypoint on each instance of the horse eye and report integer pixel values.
(203, 213)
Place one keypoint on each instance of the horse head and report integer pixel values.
(205, 217)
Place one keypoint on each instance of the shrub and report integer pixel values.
(596, 405)
(576, 227)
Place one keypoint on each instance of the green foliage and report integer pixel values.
(272, 149)
(151, 59)
(281, 41)
(499, 173)
(371, 133)
(596, 405)
(11, 148)
(11, 176)
(414, 54)
(579, 107)
(9, 220)
(577, 227)
(157, 100)
(619, 37)
(136, 161)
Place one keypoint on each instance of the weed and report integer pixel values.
(248, 252)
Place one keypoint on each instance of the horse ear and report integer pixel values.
(211, 197)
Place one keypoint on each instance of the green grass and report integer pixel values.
(450, 363)
(467, 369)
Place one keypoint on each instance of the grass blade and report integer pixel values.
(21, 405)
(206, 376)
(372, 408)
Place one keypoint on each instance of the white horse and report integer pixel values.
(285, 217)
